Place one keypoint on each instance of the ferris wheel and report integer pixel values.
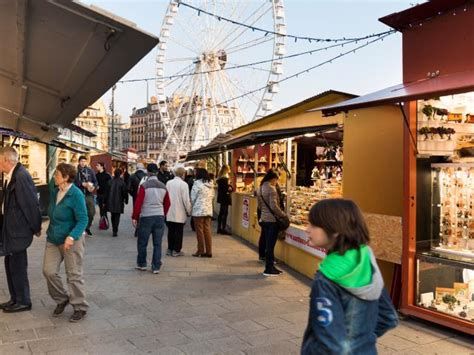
(208, 68)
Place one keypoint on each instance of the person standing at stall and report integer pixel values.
(269, 205)
(103, 182)
(224, 198)
(86, 181)
(179, 211)
(202, 196)
(117, 198)
(65, 242)
(349, 306)
(21, 220)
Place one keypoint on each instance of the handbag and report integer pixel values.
(104, 223)
(282, 222)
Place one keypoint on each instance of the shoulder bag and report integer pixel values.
(282, 222)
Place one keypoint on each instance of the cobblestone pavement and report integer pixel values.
(194, 306)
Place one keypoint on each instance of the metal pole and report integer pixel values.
(113, 119)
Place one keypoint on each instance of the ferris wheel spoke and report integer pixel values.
(188, 31)
(240, 20)
(250, 44)
(233, 38)
(184, 46)
(238, 119)
(227, 26)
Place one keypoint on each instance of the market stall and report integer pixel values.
(438, 152)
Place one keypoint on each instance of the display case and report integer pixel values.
(445, 253)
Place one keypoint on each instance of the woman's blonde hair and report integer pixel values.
(224, 171)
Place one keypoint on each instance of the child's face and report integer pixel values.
(317, 237)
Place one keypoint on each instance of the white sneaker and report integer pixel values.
(175, 253)
(156, 271)
(141, 268)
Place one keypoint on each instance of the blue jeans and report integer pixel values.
(154, 225)
(270, 235)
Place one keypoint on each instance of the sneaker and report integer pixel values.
(178, 253)
(88, 232)
(277, 270)
(77, 316)
(60, 309)
(271, 273)
(141, 268)
(169, 252)
(155, 271)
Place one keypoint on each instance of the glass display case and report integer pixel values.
(445, 259)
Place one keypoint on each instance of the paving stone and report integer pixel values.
(273, 322)
(15, 349)
(90, 326)
(52, 332)
(173, 338)
(69, 351)
(266, 337)
(246, 326)
(14, 336)
(396, 343)
(54, 344)
(278, 348)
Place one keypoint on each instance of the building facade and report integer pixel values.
(96, 120)
(146, 132)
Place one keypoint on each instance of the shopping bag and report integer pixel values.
(104, 223)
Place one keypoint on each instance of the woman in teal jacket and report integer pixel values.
(65, 241)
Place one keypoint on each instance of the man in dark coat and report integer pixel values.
(86, 181)
(117, 197)
(103, 180)
(163, 174)
(21, 220)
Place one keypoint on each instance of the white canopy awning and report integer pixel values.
(57, 57)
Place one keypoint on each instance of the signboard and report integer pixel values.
(299, 239)
(246, 212)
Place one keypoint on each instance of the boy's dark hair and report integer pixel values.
(117, 172)
(342, 221)
(163, 163)
(270, 175)
(202, 174)
(101, 163)
(67, 171)
(82, 157)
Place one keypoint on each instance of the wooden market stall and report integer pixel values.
(437, 114)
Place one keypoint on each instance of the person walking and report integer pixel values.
(190, 178)
(149, 214)
(269, 205)
(179, 211)
(117, 198)
(103, 182)
(65, 242)
(164, 175)
(202, 196)
(349, 306)
(21, 220)
(86, 181)
(224, 198)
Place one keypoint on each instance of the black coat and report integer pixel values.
(135, 182)
(22, 215)
(103, 179)
(224, 190)
(165, 176)
(117, 196)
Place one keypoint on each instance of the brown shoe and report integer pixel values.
(77, 316)
(60, 309)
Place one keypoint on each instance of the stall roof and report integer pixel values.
(441, 85)
(403, 19)
(58, 57)
(210, 149)
(273, 135)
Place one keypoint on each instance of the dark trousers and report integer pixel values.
(154, 225)
(101, 203)
(90, 209)
(16, 269)
(115, 222)
(270, 231)
(222, 217)
(175, 236)
(261, 244)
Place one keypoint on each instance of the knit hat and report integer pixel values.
(152, 168)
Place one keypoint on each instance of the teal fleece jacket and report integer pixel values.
(69, 217)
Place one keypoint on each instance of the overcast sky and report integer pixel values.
(370, 69)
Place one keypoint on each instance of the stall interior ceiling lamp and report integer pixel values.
(282, 32)
(309, 135)
(296, 75)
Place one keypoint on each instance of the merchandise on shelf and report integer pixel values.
(454, 211)
(303, 198)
